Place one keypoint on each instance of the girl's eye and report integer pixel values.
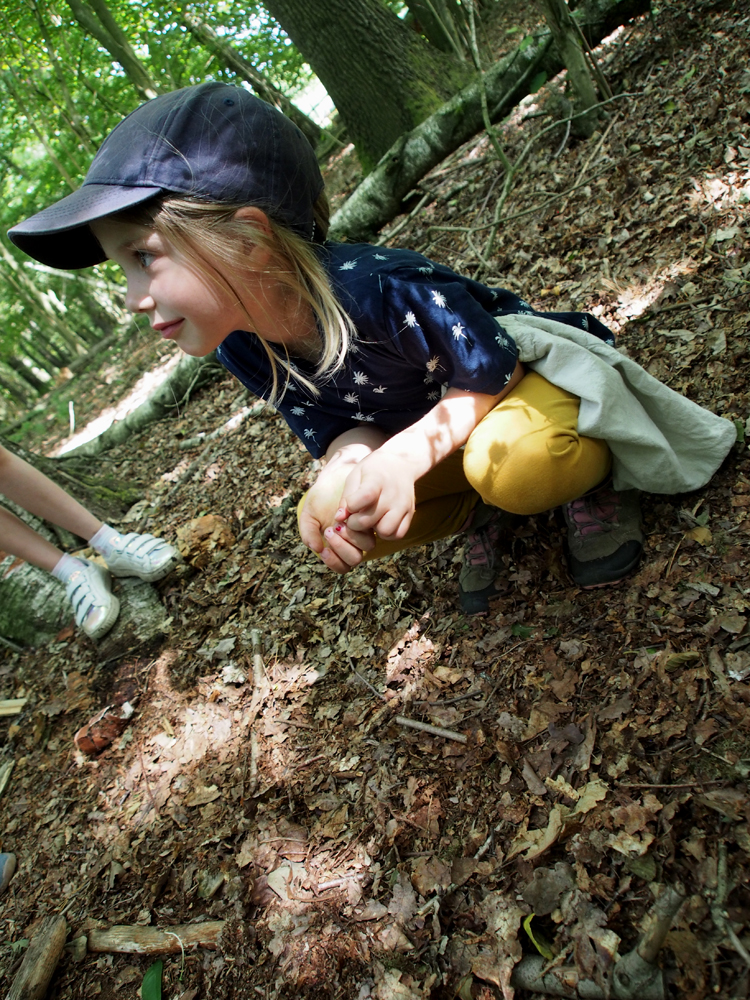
(145, 258)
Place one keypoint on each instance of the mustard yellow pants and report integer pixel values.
(526, 456)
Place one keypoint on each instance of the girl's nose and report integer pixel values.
(138, 299)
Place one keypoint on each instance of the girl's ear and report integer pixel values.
(255, 216)
(256, 219)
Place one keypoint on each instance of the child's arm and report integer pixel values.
(378, 494)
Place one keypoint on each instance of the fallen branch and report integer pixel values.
(425, 727)
(40, 961)
(134, 940)
(189, 374)
(379, 198)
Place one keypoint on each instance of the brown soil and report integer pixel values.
(606, 748)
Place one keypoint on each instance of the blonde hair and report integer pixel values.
(215, 241)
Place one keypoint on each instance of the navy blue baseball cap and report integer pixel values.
(213, 142)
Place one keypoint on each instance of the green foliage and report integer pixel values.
(151, 985)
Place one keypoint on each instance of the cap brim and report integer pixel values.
(60, 237)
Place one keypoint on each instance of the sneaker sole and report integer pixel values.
(476, 602)
(600, 572)
(152, 577)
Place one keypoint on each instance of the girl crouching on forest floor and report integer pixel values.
(440, 405)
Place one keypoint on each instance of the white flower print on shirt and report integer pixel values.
(366, 417)
(504, 340)
(433, 396)
(360, 378)
(433, 364)
(439, 299)
(380, 388)
(410, 320)
(458, 331)
(351, 397)
(380, 256)
(298, 411)
(428, 379)
(309, 432)
(426, 270)
(348, 265)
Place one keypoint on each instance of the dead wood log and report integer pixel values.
(378, 199)
(40, 961)
(134, 940)
(189, 374)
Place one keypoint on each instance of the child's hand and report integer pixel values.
(379, 496)
(340, 547)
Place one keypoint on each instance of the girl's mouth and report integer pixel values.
(167, 330)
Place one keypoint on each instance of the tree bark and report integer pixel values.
(378, 198)
(439, 21)
(231, 58)
(383, 78)
(96, 19)
(567, 42)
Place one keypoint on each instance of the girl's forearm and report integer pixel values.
(352, 446)
(445, 428)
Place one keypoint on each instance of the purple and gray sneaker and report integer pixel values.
(605, 539)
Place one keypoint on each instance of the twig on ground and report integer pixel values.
(718, 914)
(277, 517)
(5, 772)
(378, 694)
(125, 939)
(259, 667)
(12, 706)
(425, 727)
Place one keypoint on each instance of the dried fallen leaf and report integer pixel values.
(105, 727)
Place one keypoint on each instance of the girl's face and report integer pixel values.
(180, 303)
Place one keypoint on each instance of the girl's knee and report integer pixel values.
(537, 471)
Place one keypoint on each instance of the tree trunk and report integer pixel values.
(378, 198)
(232, 59)
(383, 78)
(26, 374)
(96, 19)
(567, 42)
(442, 24)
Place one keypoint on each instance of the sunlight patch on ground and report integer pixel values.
(144, 387)
(636, 298)
(731, 190)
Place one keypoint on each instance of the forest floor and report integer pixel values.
(603, 737)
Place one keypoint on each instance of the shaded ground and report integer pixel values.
(605, 749)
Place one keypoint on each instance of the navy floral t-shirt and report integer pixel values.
(421, 329)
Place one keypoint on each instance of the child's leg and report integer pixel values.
(526, 455)
(127, 555)
(37, 494)
(18, 539)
